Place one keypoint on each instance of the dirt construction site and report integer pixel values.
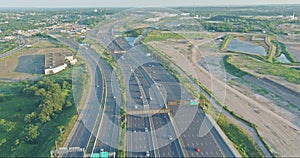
(278, 126)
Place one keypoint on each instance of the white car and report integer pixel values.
(147, 154)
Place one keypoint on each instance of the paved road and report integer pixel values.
(159, 86)
(101, 119)
(139, 139)
(211, 144)
(138, 143)
(107, 134)
(109, 130)
(89, 117)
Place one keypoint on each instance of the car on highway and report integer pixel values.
(198, 150)
(147, 154)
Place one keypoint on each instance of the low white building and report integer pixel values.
(55, 70)
(70, 57)
(56, 62)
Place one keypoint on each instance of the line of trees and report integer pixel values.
(225, 23)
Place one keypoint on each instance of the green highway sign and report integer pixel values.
(104, 154)
(194, 102)
(95, 155)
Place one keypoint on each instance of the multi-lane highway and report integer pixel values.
(98, 124)
(90, 114)
(210, 144)
(153, 128)
(143, 135)
(149, 87)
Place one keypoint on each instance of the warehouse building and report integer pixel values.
(56, 62)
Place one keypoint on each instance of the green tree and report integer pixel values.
(69, 104)
(61, 129)
(29, 118)
(31, 133)
(40, 92)
(2, 142)
(2, 97)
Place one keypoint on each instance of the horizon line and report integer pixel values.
(78, 7)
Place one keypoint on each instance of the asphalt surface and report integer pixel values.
(166, 88)
(158, 86)
(149, 86)
(109, 132)
(89, 117)
(207, 139)
(107, 135)
(98, 126)
(156, 142)
(139, 138)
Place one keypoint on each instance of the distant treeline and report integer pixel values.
(262, 10)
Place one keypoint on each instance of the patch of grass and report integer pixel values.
(281, 48)
(14, 109)
(254, 127)
(134, 33)
(6, 47)
(122, 141)
(242, 141)
(226, 42)
(232, 69)
(10, 88)
(261, 91)
(289, 74)
(50, 131)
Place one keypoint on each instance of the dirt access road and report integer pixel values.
(280, 134)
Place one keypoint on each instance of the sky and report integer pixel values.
(135, 3)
